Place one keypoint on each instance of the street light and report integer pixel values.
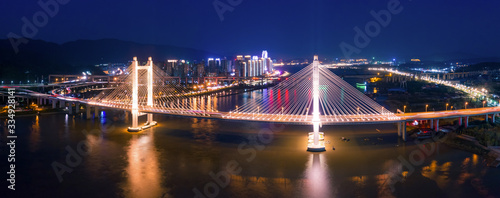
(447, 106)
(466, 103)
(426, 107)
(404, 109)
(451, 108)
(484, 102)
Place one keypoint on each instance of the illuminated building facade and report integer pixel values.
(250, 66)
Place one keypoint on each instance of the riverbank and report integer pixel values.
(481, 139)
(32, 113)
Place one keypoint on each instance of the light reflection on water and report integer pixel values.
(35, 134)
(177, 155)
(144, 175)
(438, 173)
(317, 175)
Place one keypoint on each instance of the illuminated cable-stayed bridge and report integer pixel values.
(313, 96)
(292, 100)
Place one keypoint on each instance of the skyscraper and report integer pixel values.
(170, 67)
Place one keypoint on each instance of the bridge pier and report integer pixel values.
(402, 130)
(135, 120)
(88, 113)
(77, 107)
(399, 129)
(436, 127)
(150, 118)
(432, 124)
(96, 112)
(460, 121)
(70, 108)
(466, 122)
(54, 104)
(493, 118)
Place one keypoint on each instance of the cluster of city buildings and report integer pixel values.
(241, 66)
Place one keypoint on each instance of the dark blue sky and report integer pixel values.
(284, 27)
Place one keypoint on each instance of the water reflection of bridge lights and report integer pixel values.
(143, 171)
(318, 177)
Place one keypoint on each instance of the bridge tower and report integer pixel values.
(316, 139)
(135, 94)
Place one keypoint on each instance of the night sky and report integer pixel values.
(285, 28)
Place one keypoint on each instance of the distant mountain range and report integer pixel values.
(37, 57)
(43, 58)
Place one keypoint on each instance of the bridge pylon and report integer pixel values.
(316, 140)
(135, 95)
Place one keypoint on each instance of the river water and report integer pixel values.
(188, 157)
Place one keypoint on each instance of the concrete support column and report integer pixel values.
(493, 118)
(77, 107)
(436, 128)
(486, 118)
(466, 121)
(38, 101)
(70, 108)
(150, 118)
(53, 104)
(61, 104)
(432, 123)
(135, 118)
(403, 124)
(96, 112)
(460, 121)
(88, 113)
(399, 129)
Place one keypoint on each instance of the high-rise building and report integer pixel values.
(180, 69)
(250, 66)
(200, 69)
(170, 67)
(267, 62)
(226, 67)
(187, 70)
